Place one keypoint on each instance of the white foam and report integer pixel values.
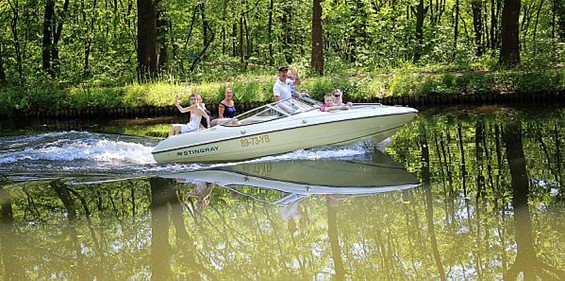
(100, 150)
(73, 152)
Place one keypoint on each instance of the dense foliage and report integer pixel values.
(52, 49)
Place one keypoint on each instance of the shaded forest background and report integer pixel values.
(115, 42)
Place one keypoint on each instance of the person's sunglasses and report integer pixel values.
(337, 96)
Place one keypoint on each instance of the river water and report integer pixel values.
(458, 193)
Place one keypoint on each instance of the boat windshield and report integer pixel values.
(273, 111)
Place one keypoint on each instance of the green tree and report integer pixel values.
(317, 58)
(510, 40)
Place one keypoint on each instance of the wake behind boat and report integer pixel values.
(281, 127)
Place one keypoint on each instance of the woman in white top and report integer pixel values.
(196, 114)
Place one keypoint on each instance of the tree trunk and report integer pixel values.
(317, 59)
(162, 30)
(510, 48)
(12, 265)
(494, 12)
(248, 43)
(463, 162)
(520, 191)
(223, 30)
(479, 152)
(456, 27)
(16, 40)
(270, 32)
(47, 46)
(241, 50)
(63, 193)
(234, 39)
(553, 19)
(477, 7)
(56, 37)
(2, 73)
(420, 13)
(536, 25)
(88, 43)
(204, 24)
(204, 49)
(6, 210)
(559, 10)
(287, 33)
(146, 40)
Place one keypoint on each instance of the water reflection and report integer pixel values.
(284, 189)
(481, 173)
(490, 206)
(527, 261)
(305, 177)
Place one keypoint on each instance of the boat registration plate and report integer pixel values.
(255, 140)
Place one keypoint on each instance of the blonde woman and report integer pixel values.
(330, 104)
(196, 113)
(226, 108)
(337, 96)
(205, 123)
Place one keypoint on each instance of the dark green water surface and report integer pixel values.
(458, 193)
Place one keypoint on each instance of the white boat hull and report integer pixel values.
(300, 131)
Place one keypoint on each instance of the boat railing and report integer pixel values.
(271, 111)
(368, 104)
(373, 103)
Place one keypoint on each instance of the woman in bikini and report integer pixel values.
(226, 109)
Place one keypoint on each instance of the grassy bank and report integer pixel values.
(358, 86)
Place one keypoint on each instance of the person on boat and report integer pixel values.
(204, 123)
(329, 104)
(285, 85)
(337, 96)
(196, 114)
(282, 89)
(226, 108)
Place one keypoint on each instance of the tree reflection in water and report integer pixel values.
(166, 209)
(527, 260)
(490, 207)
(13, 268)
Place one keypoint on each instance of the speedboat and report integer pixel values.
(281, 127)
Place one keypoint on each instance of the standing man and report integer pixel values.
(282, 89)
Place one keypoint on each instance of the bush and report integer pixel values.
(357, 86)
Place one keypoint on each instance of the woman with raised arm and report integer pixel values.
(196, 113)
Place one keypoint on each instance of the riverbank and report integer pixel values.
(413, 101)
(413, 87)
